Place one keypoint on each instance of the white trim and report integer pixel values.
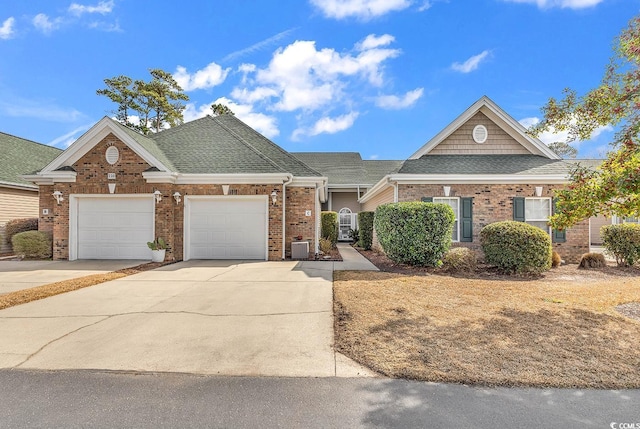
(186, 224)
(10, 185)
(52, 177)
(74, 202)
(439, 179)
(382, 184)
(88, 140)
(484, 130)
(501, 118)
(539, 220)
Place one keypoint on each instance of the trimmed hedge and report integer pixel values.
(414, 233)
(623, 242)
(329, 226)
(365, 223)
(33, 244)
(459, 259)
(16, 226)
(516, 247)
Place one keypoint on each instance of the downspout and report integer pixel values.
(284, 214)
(318, 189)
(395, 190)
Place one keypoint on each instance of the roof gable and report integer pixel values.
(486, 108)
(19, 156)
(143, 146)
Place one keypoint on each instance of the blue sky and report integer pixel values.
(380, 77)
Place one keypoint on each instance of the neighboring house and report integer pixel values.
(213, 189)
(485, 166)
(19, 197)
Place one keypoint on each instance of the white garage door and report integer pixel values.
(114, 228)
(227, 228)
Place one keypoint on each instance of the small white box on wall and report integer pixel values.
(307, 213)
(45, 211)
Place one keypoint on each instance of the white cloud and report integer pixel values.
(103, 8)
(65, 140)
(374, 156)
(425, 6)
(46, 25)
(22, 108)
(258, 46)
(362, 9)
(6, 30)
(551, 136)
(327, 125)
(397, 102)
(300, 76)
(372, 41)
(471, 64)
(564, 4)
(264, 124)
(208, 77)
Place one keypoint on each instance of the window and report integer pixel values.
(537, 212)
(454, 203)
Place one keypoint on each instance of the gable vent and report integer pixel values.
(112, 155)
(480, 134)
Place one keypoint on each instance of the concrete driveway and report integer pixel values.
(209, 317)
(18, 275)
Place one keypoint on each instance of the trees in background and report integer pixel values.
(147, 106)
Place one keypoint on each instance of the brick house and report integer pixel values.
(486, 167)
(213, 189)
(216, 189)
(19, 197)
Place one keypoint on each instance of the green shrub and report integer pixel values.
(516, 247)
(592, 260)
(622, 242)
(354, 234)
(460, 259)
(414, 233)
(33, 244)
(556, 260)
(329, 223)
(365, 222)
(16, 226)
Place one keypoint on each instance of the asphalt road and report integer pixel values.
(87, 399)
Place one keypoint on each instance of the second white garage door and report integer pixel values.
(226, 228)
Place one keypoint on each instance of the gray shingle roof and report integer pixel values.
(225, 145)
(485, 164)
(377, 169)
(342, 168)
(148, 144)
(19, 156)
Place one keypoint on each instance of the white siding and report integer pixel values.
(16, 204)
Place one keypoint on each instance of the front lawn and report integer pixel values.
(559, 330)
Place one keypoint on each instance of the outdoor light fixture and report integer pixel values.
(158, 196)
(176, 196)
(538, 191)
(57, 195)
(274, 197)
(446, 190)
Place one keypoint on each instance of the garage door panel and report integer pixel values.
(114, 228)
(227, 228)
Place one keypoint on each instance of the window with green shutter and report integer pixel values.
(558, 236)
(466, 219)
(427, 199)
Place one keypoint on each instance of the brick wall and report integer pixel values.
(492, 203)
(92, 170)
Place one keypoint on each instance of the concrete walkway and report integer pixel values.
(352, 260)
(204, 317)
(18, 275)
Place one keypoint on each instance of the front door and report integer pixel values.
(346, 222)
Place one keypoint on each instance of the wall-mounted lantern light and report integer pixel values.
(176, 196)
(274, 197)
(446, 190)
(158, 196)
(538, 191)
(57, 195)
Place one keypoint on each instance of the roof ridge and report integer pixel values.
(239, 138)
(262, 137)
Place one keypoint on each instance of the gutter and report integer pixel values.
(325, 184)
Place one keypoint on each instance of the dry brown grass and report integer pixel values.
(561, 330)
(40, 292)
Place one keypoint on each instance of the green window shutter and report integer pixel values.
(466, 219)
(427, 199)
(518, 209)
(557, 235)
